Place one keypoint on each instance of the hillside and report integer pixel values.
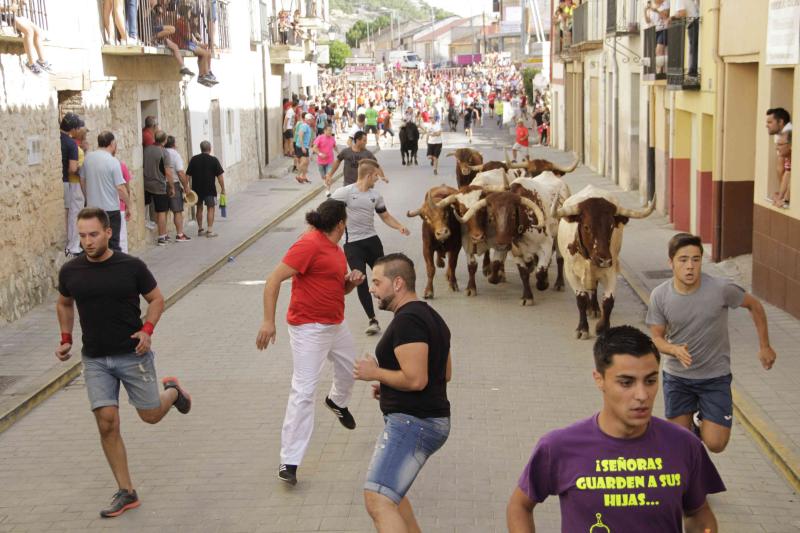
(345, 13)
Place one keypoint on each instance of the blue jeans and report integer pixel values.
(131, 23)
(404, 446)
(324, 169)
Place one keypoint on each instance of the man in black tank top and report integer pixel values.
(412, 368)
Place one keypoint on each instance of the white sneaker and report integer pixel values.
(374, 328)
(150, 224)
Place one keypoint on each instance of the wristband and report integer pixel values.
(148, 328)
(66, 338)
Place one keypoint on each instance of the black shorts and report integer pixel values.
(371, 129)
(288, 134)
(160, 202)
(435, 149)
(299, 152)
(319, 131)
(661, 37)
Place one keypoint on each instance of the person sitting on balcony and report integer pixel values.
(12, 14)
(783, 147)
(188, 39)
(284, 26)
(297, 33)
(662, 9)
(161, 32)
(686, 10)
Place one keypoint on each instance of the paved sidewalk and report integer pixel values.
(27, 362)
(772, 398)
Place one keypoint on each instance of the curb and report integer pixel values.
(59, 377)
(747, 411)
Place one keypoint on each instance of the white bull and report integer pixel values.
(590, 240)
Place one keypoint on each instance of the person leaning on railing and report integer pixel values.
(12, 14)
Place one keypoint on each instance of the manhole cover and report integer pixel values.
(7, 381)
(658, 274)
(285, 189)
(284, 230)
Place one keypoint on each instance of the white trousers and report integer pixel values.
(73, 198)
(123, 233)
(311, 344)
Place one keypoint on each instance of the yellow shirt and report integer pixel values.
(75, 178)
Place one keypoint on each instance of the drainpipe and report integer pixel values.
(615, 139)
(719, 146)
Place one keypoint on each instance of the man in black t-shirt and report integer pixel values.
(203, 170)
(106, 285)
(413, 368)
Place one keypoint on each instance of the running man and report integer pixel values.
(469, 118)
(351, 156)
(413, 368)
(362, 244)
(317, 330)
(434, 141)
(622, 469)
(688, 319)
(106, 285)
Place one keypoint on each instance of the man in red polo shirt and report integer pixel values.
(317, 331)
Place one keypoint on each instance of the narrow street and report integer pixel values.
(518, 372)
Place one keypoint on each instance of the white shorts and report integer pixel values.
(518, 146)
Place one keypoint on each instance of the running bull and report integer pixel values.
(409, 142)
(590, 240)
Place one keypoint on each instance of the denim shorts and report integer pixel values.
(402, 449)
(324, 169)
(712, 397)
(137, 372)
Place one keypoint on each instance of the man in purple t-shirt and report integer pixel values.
(622, 469)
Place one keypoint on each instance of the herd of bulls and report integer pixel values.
(528, 210)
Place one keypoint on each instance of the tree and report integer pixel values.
(527, 80)
(339, 51)
(361, 30)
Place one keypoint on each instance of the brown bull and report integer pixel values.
(511, 216)
(534, 167)
(465, 159)
(441, 235)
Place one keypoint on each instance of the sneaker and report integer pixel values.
(200, 232)
(45, 66)
(150, 224)
(211, 78)
(186, 72)
(33, 67)
(697, 421)
(202, 80)
(210, 234)
(182, 238)
(374, 328)
(121, 502)
(435, 172)
(183, 403)
(342, 413)
(288, 473)
(161, 241)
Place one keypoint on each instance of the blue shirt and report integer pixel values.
(306, 130)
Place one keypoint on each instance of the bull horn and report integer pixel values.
(480, 204)
(517, 165)
(506, 184)
(444, 202)
(567, 170)
(562, 212)
(450, 154)
(638, 213)
(533, 206)
(414, 213)
(477, 168)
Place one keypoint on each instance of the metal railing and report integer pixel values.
(682, 59)
(33, 10)
(171, 17)
(649, 54)
(586, 23)
(277, 34)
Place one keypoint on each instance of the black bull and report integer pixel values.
(409, 142)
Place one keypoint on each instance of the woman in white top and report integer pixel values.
(434, 139)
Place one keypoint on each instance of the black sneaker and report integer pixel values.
(288, 473)
(121, 502)
(183, 403)
(342, 413)
(186, 72)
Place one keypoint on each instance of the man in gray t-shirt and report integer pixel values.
(688, 319)
(103, 185)
(362, 245)
(158, 188)
(351, 157)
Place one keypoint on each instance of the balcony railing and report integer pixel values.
(586, 24)
(33, 10)
(682, 54)
(196, 16)
(622, 17)
(649, 54)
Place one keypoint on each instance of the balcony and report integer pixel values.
(622, 17)
(33, 10)
(587, 31)
(649, 66)
(682, 49)
(187, 16)
(290, 43)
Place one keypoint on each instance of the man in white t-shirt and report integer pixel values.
(176, 170)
